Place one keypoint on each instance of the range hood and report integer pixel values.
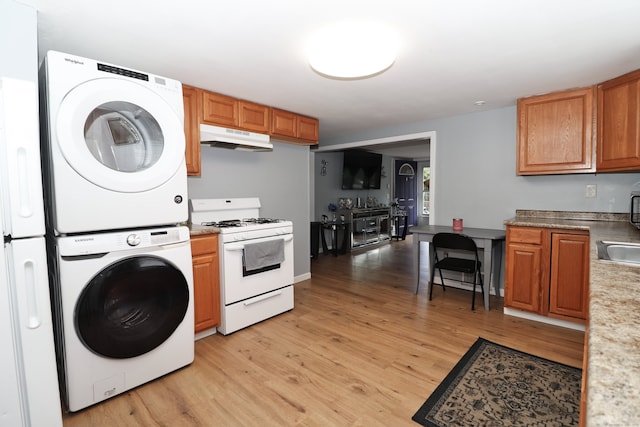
(234, 139)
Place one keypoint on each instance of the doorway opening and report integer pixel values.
(423, 146)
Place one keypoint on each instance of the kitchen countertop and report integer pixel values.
(197, 230)
(613, 364)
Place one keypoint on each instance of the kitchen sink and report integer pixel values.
(619, 251)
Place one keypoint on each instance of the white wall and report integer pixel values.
(18, 41)
(476, 176)
(279, 178)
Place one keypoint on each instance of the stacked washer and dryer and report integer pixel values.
(116, 191)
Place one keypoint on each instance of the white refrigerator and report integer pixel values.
(29, 393)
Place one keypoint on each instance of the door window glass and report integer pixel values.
(131, 307)
(426, 178)
(123, 136)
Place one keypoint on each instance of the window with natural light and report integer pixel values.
(426, 175)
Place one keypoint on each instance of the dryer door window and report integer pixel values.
(131, 307)
(120, 135)
(123, 137)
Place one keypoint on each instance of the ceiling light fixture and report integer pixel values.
(352, 50)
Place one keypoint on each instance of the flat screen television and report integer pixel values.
(361, 170)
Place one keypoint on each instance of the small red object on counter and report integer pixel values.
(457, 224)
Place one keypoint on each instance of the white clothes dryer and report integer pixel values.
(123, 310)
(114, 154)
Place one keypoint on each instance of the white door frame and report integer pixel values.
(428, 137)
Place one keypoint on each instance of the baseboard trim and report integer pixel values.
(543, 319)
(302, 277)
(205, 333)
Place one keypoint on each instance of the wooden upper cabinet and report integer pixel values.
(618, 123)
(201, 106)
(308, 129)
(555, 133)
(284, 123)
(219, 109)
(191, 99)
(294, 127)
(222, 110)
(253, 117)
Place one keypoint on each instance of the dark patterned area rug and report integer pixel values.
(493, 385)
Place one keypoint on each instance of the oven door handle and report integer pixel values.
(240, 246)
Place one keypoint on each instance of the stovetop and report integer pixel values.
(237, 219)
(246, 222)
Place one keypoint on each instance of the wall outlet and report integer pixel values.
(590, 190)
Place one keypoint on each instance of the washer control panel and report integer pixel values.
(100, 243)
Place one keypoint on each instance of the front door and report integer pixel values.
(406, 189)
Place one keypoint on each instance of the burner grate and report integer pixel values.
(223, 224)
(260, 220)
(240, 223)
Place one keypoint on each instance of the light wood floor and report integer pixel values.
(359, 349)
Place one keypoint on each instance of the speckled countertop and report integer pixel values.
(613, 370)
(198, 230)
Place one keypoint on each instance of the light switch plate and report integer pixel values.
(590, 190)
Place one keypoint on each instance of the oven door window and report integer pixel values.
(246, 272)
(262, 255)
(131, 307)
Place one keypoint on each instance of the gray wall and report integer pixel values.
(475, 168)
(328, 188)
(279, 178)
(476, 178)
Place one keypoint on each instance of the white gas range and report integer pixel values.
(256, 260)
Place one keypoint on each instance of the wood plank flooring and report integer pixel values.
(359, 349)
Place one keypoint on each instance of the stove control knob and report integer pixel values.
(133, 240)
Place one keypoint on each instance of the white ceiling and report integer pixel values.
(452, 52)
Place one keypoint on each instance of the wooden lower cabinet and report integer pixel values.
(206, 281)
(547, 272)
(585, 373)
(569, 284)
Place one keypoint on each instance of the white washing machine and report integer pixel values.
(114, 154)
(123, 310)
